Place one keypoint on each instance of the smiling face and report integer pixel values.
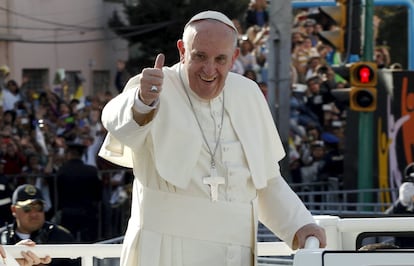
(208, 52)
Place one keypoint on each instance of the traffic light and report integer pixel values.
(342, 26)
(363, 78)
(334, 21)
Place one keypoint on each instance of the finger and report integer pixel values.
(159, 61)
(27, 259)
(2, 252)
(22, 262)
(35, 258)
(27, 242)
(46, 260)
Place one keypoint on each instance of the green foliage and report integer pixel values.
(154, 26)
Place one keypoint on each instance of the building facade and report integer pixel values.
(51, 42)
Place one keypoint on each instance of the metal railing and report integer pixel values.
(320, 198)
(328, 198)
(98, 254)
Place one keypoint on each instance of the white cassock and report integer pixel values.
(173, 220)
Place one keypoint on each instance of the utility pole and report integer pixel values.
(279, 81)
(366, 119)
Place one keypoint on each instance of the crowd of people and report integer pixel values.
(42, 136)
(317, 118)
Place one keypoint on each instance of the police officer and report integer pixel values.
(6, 191)
(405, 202)
(404, 205)
(28, 209)
(80, 213)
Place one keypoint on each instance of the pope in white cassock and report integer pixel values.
(205, 152)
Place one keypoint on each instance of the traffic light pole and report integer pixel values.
(366, 119)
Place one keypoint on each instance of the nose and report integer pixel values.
(209, 67)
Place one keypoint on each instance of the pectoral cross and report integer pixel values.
(214, 181)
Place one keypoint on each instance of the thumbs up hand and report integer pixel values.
(151, 81)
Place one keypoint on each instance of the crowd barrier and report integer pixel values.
(321, 198)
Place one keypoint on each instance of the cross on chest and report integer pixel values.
(214, 182)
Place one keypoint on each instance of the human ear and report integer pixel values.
(181, 50)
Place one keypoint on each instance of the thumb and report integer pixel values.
(159, 61)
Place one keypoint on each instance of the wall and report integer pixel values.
(58, 34)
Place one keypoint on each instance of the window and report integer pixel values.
(38, 78)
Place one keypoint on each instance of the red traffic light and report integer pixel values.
(363, 74)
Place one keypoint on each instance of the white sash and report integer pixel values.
(199, 218)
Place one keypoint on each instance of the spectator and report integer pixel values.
(239, 27)
(79, 194)
(28, 209)
(121, 76)
(11, 95)
(294, 158)
(66, 122)
(333, 166)
(314, 62)
(404, 206)
(309, 27)
(96, 135)
(35, 174)
(405, 202)
(331, 114)
(6, 191)
(297, 38)
(256, 14)
(250, 74)
(382, 57)
(247, 56)
(4, 74)
(317, 98)
(323, 51)
(301, 115)
(301, 54)
(264, 88)
(237, 67)
(49, 104)
(261, 52)
(310, 171)
(15, 159)
(9, 117)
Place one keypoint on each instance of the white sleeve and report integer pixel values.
(281, 210)
(141, 107)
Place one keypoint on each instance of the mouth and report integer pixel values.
(207, 79)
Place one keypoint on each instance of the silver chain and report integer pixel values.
(212, 153)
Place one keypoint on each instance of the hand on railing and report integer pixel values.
(26, 256)
(71, 251)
